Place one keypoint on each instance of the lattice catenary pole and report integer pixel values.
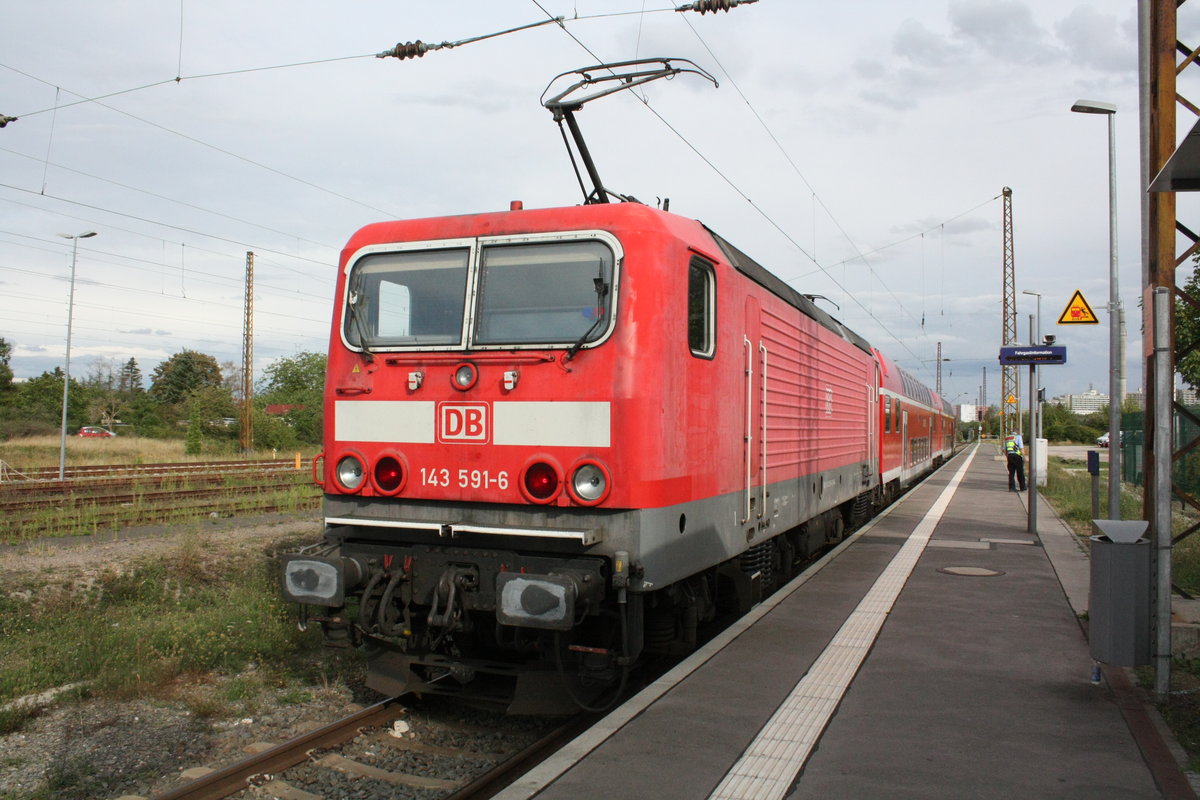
(1010, 408)
(247, 427)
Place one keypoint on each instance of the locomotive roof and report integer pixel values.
(602, 215)
(768, 280)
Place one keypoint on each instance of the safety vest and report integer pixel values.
(1011, 447)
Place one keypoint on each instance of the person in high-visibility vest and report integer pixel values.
(1016, 464)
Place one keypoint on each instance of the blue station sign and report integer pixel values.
(1047, 354)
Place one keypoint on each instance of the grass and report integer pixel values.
(62, 517)
(1068, 489)
(43, 451)
(206, 630)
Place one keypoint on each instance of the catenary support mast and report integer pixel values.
(1010, 408)
(247, 426)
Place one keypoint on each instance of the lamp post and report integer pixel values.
(1037, 371)
(62, 442)
(1114, 340)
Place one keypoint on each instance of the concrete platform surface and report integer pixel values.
(935, 654)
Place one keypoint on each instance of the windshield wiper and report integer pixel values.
(352, 304)
(601, 293)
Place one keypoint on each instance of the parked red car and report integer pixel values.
(93, 431)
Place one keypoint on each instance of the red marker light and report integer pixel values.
(389, 475)
(541, 481)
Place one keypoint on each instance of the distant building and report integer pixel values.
(280, 409)
(1089, 402)
(1092, 401)
(969, 412)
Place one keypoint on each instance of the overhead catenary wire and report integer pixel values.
(711, 6)
(193, 231)
(860, 256)
(157, 196)
(770, 220)
(215, 148)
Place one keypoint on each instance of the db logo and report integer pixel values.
(460, 422)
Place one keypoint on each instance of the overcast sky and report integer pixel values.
(858, 150)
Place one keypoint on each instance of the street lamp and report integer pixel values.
(1114, 325)
(1037, 370)
(62, 442)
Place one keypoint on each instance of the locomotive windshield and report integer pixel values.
(543, 293)
(410, 298)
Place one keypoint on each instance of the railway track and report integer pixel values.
(384, 749)
(20, 476)
(101, 497)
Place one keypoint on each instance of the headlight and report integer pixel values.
(350, 473)
(589, 484)
(535, 601)
(320, 581)
(312, 580)
(464, 376)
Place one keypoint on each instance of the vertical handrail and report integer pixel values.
(747, 438)
(762, 467)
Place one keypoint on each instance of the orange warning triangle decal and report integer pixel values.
(1078, 312)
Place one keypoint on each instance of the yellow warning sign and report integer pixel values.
(1012, 399)
(1078, 312)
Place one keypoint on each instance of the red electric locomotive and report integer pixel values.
(558, 439)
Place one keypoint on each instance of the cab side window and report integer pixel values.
(702, 304)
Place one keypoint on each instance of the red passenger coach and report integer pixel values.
(917, 428)
(558, 440)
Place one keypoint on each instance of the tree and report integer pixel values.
(182, 374)
(102, 373)
(297, 381)
(191, 445)
(210, 403)
(41, 399)
(6, 373)
(129, 378)
(231, 373)
(286, 380)
(1187, 332)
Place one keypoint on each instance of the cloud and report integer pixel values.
(1098, 40)
(148, 332)
(922, 46)
(1005, 30)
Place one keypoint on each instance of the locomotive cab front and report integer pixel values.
(471, 482)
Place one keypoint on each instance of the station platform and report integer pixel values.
(937, 653)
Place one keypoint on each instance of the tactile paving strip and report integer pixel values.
(772, 761)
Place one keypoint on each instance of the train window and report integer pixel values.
(887, 414)
(701, 302)
(414, 297)
(546, 293)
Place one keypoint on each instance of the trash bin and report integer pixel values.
(1119, 599)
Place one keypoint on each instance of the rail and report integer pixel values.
(236, 777)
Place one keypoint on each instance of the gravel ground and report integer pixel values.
(103, 749)
(99, 748)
